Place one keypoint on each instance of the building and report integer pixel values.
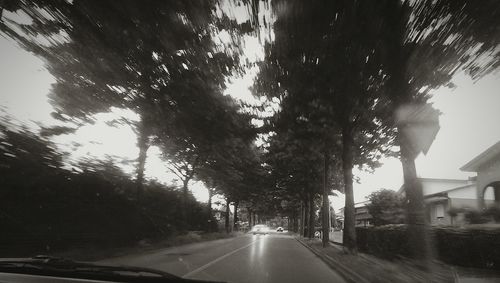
(361, 215)
(363, 218)
(442, 195)
(487, 167)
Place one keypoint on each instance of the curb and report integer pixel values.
(345, 272)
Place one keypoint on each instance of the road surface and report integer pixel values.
(276, 257)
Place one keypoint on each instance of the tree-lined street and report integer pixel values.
(249, 258)
(271, 107)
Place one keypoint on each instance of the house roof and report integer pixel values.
(445, 192)
(361, 203)
(437, 198)
(485, 156)
(458, 181)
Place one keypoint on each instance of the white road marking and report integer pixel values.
(215, 261)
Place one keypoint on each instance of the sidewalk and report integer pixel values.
(364, 268)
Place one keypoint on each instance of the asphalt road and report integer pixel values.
(275, 257)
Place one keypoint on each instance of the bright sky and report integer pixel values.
(469, 123)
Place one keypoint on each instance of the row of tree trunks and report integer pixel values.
(307, 219)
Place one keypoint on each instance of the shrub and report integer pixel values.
(476, 217)
(473, 246)
(385, 241)
(493, 212)
(454, 211)
(386, 207)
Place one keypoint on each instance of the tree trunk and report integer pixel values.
(143, 144)
(401, 94)
(235, 218)
(228, 211)
(301, 218)
(418, 239)
(326, 203)
(311, 216)
(209, 210)
(333, 218)
(294, 223)
(349, 237)
(249, 213)
(306, 217)
(295, 227)
(210, 195)
(184, 207)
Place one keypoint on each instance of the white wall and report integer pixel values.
(430, 187)
(468, 192)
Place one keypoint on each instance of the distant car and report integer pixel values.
(280, 229)
(260, 229)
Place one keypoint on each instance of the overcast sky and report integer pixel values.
(469, 123)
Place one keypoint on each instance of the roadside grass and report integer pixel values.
(93, 253)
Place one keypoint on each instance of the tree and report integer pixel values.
(295, 168)
(425, 44)
(346, 61)
(162, 52)
(386, 207)
(331, 82)
(40, 200)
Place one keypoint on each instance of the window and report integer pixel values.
(439, 211)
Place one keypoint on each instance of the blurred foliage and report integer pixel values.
(344, 69)
(163, 60)
(471, 246)
(167, 61)
(44, 207)
(340, 71)
(474, 216)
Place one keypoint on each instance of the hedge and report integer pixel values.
(472, 246)
(384, 241)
